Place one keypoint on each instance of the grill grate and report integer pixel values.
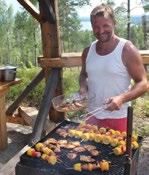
(65, 165)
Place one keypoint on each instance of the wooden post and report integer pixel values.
(51, 49)
(4, 88)
(3, 128)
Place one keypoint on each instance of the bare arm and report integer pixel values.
(132, 60)
(83, 74)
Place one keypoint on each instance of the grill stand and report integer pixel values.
(131, 165)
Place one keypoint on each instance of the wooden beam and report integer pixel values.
(59, 63)
(145, 59)
(3, 128)
(72, 54)
(5, 84)
(66, 60)
(72, 60)
(48, 14)
(144, 52)
(31, 9)
(4, 88)
(145, 56)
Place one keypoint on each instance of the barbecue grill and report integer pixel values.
(37, 166)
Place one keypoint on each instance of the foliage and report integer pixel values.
(20, 40)
(69, 23)
(141, 107)
(145, 130)
(34, 98)
(6, 37)
(26, 75)
(20, 35)
(141, 115)
(71, 80)
(120, 15)
(85, 39)
(146, 5)
(136, 36)
(27, 38)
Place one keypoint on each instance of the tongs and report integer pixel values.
(91, 113)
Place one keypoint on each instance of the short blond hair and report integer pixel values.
(103, 10)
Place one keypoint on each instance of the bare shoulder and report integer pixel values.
(131, 54)
(133, 61)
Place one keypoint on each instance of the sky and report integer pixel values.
(135, 6)
(85, 11)
(16, 5)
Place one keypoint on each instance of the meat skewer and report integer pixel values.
(86, 158)
(103, 165)
(50, 159)
(71, 155)
(33, 153)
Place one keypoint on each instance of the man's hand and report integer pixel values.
(114, 103)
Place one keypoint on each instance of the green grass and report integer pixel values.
(71, 80)
(26, 76)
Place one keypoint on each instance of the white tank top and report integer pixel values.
(107, 77)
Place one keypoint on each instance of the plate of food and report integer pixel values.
(71, 102)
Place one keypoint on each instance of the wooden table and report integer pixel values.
(4, 88)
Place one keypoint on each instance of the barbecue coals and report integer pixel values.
(77, 143)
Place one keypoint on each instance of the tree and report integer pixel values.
(6, 37)
(120, 15)
(85, 38)
(27, 37)
(69, 22)
(137, 36)
(145, 24)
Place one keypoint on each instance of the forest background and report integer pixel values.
(20, 40)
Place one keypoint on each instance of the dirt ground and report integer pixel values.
(143, 166)
(18, 137)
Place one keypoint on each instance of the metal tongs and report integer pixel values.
(94, 112)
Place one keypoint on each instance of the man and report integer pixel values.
(108, 65)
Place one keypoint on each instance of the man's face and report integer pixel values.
(103, 28)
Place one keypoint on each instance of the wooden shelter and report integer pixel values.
(52, 63)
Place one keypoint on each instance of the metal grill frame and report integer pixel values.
(36, 166)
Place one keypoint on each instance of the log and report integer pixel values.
(29, 114)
